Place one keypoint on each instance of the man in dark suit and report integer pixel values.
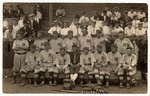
(105, 17)
(5, 12)
(27, 31)
(33, 24)
(74, 66)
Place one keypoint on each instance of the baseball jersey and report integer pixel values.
(76, 31)
(62, 60)
(22, 44)
(135, 23)
(114, 58)
(15, 30)
(87, 59)
(64, 31)
(99, 41)
(131, 14)
(116, 30)
(32, 58)
(85, 41)
(47, 56)
(140, 32)
(39, 43)
(68, 43)
(101, 58)
(129, 60)
(56, 44)
(106, 30)
(123, 44)
(141, 15)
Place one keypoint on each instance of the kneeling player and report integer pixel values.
(47, 64)
(129, 65)
(86, 62)
(31, 64)
(101, 66)
(62, 61)
(115, 61)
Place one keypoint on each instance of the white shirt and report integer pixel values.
(64, 31)
(75, 30)
(128, 31)
(139, 32)
(83, 19)
(60, 11)
(106, 30)
(117, 14)
(141, 15)
(5, 23)
(38, 16)
(15, 30)
(116, 30)
(135, 23)
(99, 24)
(92, 30)
(108, 13)
(20, 23)
(58, 29)
(130, 14)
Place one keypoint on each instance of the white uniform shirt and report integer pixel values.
(135, 23)
(116, 30)
(141, 15)
(83, 19)
(58, 29)
(76, 30)
(15, 30)
(39, 43)
(106, 30)
(131, 14)
(128, 31)
(92, 30)
(139, 32)
(64, 31)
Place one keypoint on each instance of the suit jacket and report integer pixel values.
(74, 58)
(26, 31)
(34, 26)
(106, 18)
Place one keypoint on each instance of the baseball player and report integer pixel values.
(56, 43)
(70, 41)
(115, 62)
(122, 43)
(85, 40)
(31, 65)
(62, 62)
(129, 65)
(39, 42)
(47, 63)
(101, 70)
(20, 47)
(86, 61)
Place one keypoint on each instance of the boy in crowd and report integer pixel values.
(74, 66)
(47, 63)
(86, 61)
(55, 27)
(70, 41)
(39, 41)
(115, 61)
(20, 47)
(32, 62)
(92, 28)
(116, 29)
(56, 43)
(122, 43)
(129, 66)
(140, 31)
(76, 29)
(64, 30)
(62, 63)
(85, 40)
(129, 29)
(101, 70)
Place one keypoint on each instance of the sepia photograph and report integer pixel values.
(75, 48)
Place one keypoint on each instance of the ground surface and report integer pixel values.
(15, 88)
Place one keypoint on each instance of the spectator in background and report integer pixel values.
(105, 17)
(22, 18)
(33, 24)
(76, 29)
(106, 29)
(126, 18)
(11, 11)
(132, 12)
(145, 23)
(116, 29)
(55, 27)
(94, 16)
(117, 13)
(7, 33)
(108, 13)
(135, 21)
(5, 12)
(15, 27)
(141, 14)
(19, 11)
(27, 31)
(140, 31)
(129, 29)
(84, 19)
(65, 29)
(60, 12)
(38, 16)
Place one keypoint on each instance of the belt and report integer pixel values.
(21, 53)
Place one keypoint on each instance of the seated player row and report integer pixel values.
(98, 64)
